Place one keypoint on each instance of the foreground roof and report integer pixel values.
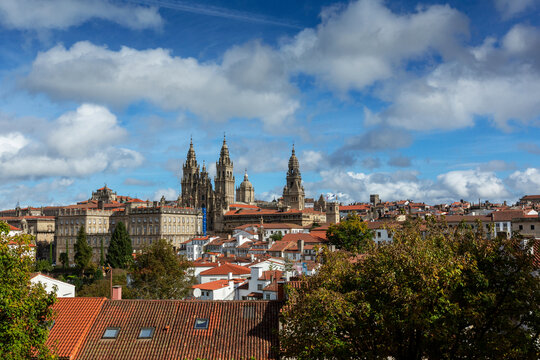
(236, 330)
(74, 318)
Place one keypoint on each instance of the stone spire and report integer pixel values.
(293, 192)
(294, 165)
(191, 159)
(245, 175)
(224, 158)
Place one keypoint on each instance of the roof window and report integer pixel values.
(111, 333)
(146, 333)
(201, 324)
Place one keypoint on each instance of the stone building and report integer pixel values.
(197, 191)
(146, 222)
(245, 193)
(293, 192)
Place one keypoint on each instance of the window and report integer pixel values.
(201, 324)
(259, 287)
(146, 333)
(111, 333)
(532, 227)
(520, 227)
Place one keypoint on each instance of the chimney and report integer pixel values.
(256, 273)
(231, 282)
(300, 245)
(117, 292)
(213, 258)
(252, 257)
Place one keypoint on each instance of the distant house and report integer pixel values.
(222, 273)
(51, 284)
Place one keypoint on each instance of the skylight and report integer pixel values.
(111, 333)
(201, 324)
(146, 333)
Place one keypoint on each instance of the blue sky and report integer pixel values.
(433, 101)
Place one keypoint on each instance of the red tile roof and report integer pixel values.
(226, 269)
(216, 285)
(74, 318)
(236, 330)
(271, 275)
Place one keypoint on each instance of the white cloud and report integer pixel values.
(47, 192)
(62, 14)
(526, 182)
(88, 128)
(215, 92)
(511, 8)
(77, 144)
(400, 185)
(499, 82)
(169, 193)
(11, 143)
(365, 42)
(472, 184)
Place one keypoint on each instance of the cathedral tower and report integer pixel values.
(293, 192)
(224, 180)
(190, 179)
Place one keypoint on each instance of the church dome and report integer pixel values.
(246, 184)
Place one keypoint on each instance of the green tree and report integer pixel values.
(352, 234)
(83, 251)
(43, 266)
(4, 228)
(101, 254)
(159, 273)
(25, 310)
(64, 259)
(277, 236)
(434, 293)
(119, 255)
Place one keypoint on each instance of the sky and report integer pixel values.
(430, 101)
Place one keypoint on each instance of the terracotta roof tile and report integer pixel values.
(236, 330)
(74, 318)
(226, 269)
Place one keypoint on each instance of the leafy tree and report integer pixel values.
(43, 266)
(101, 254)
(25, 310)
(101, 287)
(83, 251)
(119, 255)
(434, 293)
(4, 228)
(277, 236)
(159, 273)
(352, 234)
(64, 259)
(66, 263)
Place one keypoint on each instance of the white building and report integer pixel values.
(62, 289)
(225, 289)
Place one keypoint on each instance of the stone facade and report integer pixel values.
(293, 192)
(245, 193)
(197, 191)
(145, 223)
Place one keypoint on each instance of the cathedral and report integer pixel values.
(198, 192)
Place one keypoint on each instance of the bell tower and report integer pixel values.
(293, 192)
(224, 180)
(190, 178)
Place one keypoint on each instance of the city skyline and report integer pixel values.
(433, 101)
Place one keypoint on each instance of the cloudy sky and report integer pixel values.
(433, 101)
